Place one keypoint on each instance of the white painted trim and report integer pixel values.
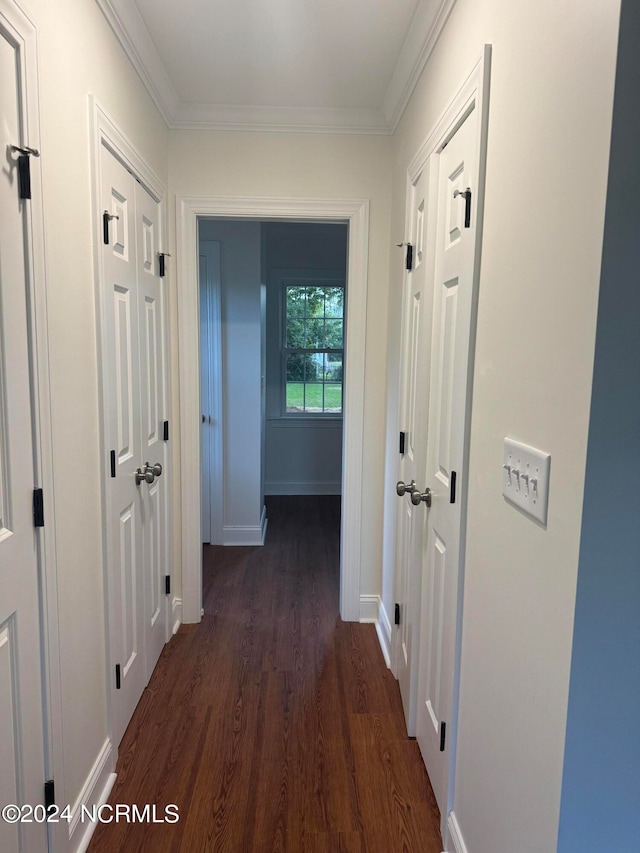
(426, 25)
(372, 611)
(455, 835)
(422, 37)
(95, 792)
(295, 422)
(23, 31)
(356, 214)
(306, 488)
(246, 534)
(128, 27)
(176, 614)
(105, 132)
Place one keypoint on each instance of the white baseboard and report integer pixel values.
(176, 613)
(236, 534)
(372, 610)
(318, 488)
(95, 792)
(455, 835)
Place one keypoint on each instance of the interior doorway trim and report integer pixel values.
(355, 212)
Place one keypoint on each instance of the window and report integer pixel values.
(313, 349)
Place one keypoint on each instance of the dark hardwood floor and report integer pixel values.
(273, 725)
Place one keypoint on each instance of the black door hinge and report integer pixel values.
(165, 431)
(403, 438)
(117, 676)
(38, 508)
(443, 735)
(106, 219)
(167, 584)
(409, 259)
(49, 795)
(466, 194)
(112, 456)
(24, 169)
(396, 619)
(452, 493)
(162, 270)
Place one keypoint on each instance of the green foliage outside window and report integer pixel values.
(314, 349)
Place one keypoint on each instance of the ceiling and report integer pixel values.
(329, 65)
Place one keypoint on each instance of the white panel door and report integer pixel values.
(446, 448)
(123, 413)
(153, 407)
(415, 397)
(21, 715)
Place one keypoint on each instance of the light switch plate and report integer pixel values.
(525, 478)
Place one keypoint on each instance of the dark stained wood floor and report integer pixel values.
(273, 725)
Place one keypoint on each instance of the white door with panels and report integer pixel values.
(22, 756)
(134, 378)
(413, 422)
(455, 181)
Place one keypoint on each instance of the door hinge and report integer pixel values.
(452, 493)
(106, 219)
(49, 795)
(38, 508)
(167, 584)
(466, 194)
(24, 169)
(165, 431)
(443, 735)
(117, 676)
(403, 438)
(409, 259)
(112, 455)
(162, 271)
(396, 618)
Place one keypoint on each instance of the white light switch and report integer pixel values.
(525, 478)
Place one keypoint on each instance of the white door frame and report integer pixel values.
(24, 33)
(356, 214)
(105, 132)
(472, 95)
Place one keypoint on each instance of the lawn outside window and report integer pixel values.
(313, 349)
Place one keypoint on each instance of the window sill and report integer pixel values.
(305, 421)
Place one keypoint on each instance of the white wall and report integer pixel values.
(550, 120)
(303, 456)
(78, 55)
(307, 166)
(241, 370)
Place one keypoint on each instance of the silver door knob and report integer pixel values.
(144, 475)
(157, 468)
(404, 489)
(417, 497)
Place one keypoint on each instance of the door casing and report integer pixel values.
(105, 132)
(356, 214)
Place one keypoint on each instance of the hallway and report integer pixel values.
(273, 725)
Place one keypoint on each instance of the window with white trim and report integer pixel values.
(313, 349)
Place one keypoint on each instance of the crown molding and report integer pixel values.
(126, 22)
(279, 119)
(427, 24)
(129, 28)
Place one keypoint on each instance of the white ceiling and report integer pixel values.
(319, 65)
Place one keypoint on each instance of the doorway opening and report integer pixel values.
(272, 344)
(354, 214)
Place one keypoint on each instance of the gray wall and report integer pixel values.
(303, 455)
(600, 807)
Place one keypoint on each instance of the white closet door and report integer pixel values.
(153, 405)
(121, 375)
(21, 717)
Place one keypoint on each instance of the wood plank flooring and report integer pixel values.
(273, 725)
